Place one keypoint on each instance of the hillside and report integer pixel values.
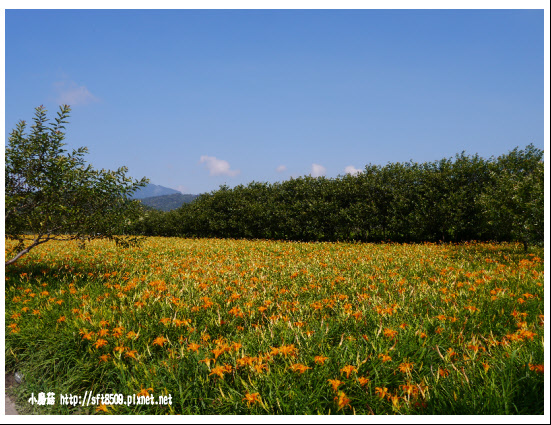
(154, 190)
(168, 202)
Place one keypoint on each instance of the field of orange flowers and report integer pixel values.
(267, 327)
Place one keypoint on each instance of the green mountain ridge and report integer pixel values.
(168, 202)
(153, 190)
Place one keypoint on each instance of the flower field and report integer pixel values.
(265, 327)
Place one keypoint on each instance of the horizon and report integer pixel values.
(331, 177)
(195, 99)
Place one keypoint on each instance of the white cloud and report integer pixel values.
(317, 170)
(281, 168)
(70, 93)
(350, 169)
(218, 167)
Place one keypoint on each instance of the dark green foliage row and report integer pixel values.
(465, 198)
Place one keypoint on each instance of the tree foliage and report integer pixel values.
(513, 200)
(52, 194)
(453, 199)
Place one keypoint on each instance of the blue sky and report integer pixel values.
(193, 99)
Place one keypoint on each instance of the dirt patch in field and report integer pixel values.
(10, 401)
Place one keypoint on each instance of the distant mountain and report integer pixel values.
(168, 202)
(154, 190)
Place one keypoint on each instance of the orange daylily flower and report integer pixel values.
(297, 367)
(207, 361)
(390, 333)
(100, 343)
(117, 332)
(410, 389)
(363, 380)
(443, 372)
(385, 358)
(381, 392)
(243, 361)
(131, 353)
(221, 370)
(259, 368)
(144, 392)
(86, 335)
(218, 351)
(348, 370)
(104, 357)
(335, 383)
(395, 400)
(101, 408)
(193, 347)
(252, 398)
(160, 340)
(320, 359)
(180, 322)
(131, 335)
(405, 367)
(536, 367)
(103, 332)
(341, 400)
(288, 350)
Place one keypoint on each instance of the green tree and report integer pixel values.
(513, 201)
(52, 194)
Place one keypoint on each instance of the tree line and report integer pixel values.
(52, 194)
(450, 200)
